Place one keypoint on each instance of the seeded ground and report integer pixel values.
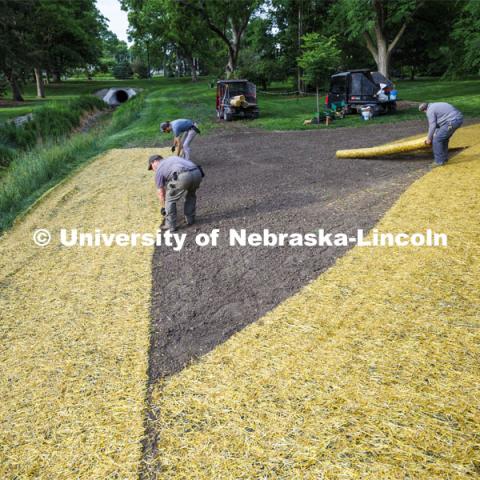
(287, 182)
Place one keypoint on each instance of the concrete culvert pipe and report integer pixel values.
(121, 96)
(116, 96)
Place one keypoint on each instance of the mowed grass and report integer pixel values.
(58, 92)
(136, 124)
(180, 98)
(279, 112)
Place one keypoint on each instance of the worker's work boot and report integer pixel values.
(166, 227)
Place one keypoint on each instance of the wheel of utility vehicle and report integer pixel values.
(227, 116)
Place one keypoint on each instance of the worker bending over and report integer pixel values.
(443, 120)
(181, 143)
(175, 178)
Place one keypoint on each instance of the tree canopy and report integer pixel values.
(264, 40)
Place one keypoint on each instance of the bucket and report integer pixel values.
(366, 113)
(393, 95)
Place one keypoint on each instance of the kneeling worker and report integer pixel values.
(175, 178)
(181, 126)
(443, 120)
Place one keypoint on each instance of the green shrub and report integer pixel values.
(122, 71)
(21, 137)
(140, 69)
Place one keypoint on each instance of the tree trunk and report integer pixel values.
(231, 65)
(57, 77)
(382, 51)
(148, 59)
(193, 67)
(39, 82)
(412, 73)
(383, 56)
(233, 52)
(300, 85)
(16, 93)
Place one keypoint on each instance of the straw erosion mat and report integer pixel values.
(75, 329)
(371, 371)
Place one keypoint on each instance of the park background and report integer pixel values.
(55, 54)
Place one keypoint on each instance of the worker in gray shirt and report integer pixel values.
(184, 131)
(176, 177)
(443, 120)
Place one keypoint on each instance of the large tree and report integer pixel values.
(423, 47)
(179, 31)
(260, 59)
(174, 33)
(69, 33)
(292, 20)
(465, 38)
(47, 35)
(228, 19)
(381, 24)
(15, 41)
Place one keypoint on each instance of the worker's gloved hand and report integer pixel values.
(196, 129)
(163, 211)
(173, 148)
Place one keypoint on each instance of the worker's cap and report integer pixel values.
(164, 126)
(423, 106)
(152, 159)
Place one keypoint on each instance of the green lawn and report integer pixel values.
(171, 98)
(65, 91)
(181, 98)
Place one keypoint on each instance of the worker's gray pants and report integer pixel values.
(187, 139)
(185, 186)
(441, 138)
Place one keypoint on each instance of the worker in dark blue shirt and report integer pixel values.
(185, 131)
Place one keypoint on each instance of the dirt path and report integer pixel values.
(281, 181)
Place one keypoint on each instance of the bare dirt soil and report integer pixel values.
(282, 181)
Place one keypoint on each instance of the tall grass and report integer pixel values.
(34, 172)
(38, 170)
(51, 122)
